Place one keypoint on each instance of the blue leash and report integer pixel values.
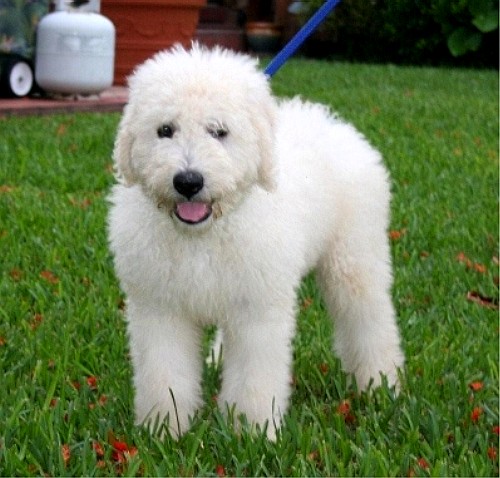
(291, 47)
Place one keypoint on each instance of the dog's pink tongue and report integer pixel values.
(193, 211)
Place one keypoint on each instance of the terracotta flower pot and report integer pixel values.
(144, 27)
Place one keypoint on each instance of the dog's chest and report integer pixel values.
(205, 281)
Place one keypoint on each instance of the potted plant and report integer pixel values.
(263, 37)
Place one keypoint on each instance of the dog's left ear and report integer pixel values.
(265, 126)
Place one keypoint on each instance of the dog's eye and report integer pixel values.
(218, 133)
(165, 131)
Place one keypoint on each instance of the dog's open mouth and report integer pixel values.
(193, 212)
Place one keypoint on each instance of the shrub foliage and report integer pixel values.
(459, 32)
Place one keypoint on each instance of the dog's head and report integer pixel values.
(197, 133)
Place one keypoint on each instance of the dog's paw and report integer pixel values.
(374, 375)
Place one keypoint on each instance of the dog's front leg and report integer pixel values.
(257, 364)
(167, 367)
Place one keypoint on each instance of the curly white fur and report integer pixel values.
(287, 188)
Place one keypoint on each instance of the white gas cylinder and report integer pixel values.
(75, 52)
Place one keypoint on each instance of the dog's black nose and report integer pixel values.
(188, 183)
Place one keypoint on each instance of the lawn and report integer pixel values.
(65, 381)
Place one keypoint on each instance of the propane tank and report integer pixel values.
(75, 51)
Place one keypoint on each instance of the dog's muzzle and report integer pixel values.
(188, 184)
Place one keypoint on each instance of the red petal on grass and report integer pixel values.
(49, 277)
(36, 321)
(324, 368)
(477, 298)
(306, 303)
(496, 429)
(80, 203)
(66, 454)
(481, 268)
(123, 456)
(98, 449)
(3, 341)
(461, 257)
(62, 129)
(132, 451)
(16, 274)
(119, 445)
(492, 453)
(344, 407)
(118, 457)
(92, 382)
(422, 463)
(476, 386)
(396, 235)
(476, 414)
(122, 451)
(102, 400)
(220, 471)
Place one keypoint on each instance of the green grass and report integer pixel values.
(65, 391)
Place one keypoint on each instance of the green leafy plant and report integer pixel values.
(409, 32)
(18, 21)
(483, 19)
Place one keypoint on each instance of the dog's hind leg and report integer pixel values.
(167, 368)
(355, 278)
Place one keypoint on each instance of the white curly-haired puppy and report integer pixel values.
(227, 198)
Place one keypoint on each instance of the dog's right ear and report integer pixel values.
(122, 152)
